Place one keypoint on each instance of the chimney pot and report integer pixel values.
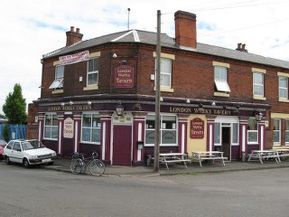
(71, 28)
(77, 30)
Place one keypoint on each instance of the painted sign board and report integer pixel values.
(68, 128)
(197, 128)
(124, 76)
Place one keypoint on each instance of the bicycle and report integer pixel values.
(91, 165)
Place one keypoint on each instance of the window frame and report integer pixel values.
(282, 88)
(161, 130)
(58, 81)
(277, 143)
(164, 73)
(96, 71)
(262, 84)
(286, 131)
(98, 127)
(51, 127)
(221, 80)
(253, 142)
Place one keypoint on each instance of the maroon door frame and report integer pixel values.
(122, 139)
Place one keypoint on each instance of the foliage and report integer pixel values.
(2, 116)
(6, 132)
(15, 106)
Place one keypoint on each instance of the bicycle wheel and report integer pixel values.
(76, 166)
(96, 167)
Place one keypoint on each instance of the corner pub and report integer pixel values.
(99, 95)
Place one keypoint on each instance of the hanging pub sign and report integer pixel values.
(124, 76)
(197, 128)
(74, 58)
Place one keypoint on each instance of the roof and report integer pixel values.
(145, 37)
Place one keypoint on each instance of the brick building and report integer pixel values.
(98, 94)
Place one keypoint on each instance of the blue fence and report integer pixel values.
(16, 131)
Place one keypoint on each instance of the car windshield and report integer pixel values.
(27, 145)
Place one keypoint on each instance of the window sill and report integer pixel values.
(89, 143)
(91, 87)
(51, 139)
(277, 144)
(259, 97)
(161, 145)
(221, 94)
(57, 91)
(252, 143)
(283, 100)
(165, 89)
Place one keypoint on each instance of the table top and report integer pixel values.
(264, 151)
(172, 154)
(207, 152)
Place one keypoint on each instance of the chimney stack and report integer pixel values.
(241, 47)
(72, 36)
(185, 29)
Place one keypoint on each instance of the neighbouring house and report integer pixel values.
(99, 95)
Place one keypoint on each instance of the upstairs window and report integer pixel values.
(283, 87)
(166, 73)
(258, 84)
(92, 72)
(59, 75)
(221, 78)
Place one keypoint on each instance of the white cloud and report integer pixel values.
(32, 28)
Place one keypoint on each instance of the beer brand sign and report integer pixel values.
(124, 77)
(197, 128)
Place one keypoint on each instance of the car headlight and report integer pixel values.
(33, 157)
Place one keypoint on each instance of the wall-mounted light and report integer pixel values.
(259, 116)
(188, 101)
(114, 55)
(70, 102)
(62, 104)
(119, 109)
(213, 103)
(88, 102)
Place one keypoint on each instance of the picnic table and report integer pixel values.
(166, 158)
(209, 155)
(260, 155)
(283, 152)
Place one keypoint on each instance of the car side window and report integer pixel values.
(16, 146)
(10, 145)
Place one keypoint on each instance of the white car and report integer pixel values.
(28, 152)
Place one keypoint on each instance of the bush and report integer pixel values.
(6, 133)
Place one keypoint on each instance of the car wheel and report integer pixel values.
(7, 160)
(26, 163)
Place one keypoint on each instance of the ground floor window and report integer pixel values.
(168, 130)
(277, 131)
(51, 126)
(252, 133)
(287, 132)
(90, 128)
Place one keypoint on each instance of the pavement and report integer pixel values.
(62, 165)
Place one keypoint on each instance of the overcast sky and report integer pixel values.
(31, 28)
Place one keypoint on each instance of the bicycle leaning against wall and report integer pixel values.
(91, 165)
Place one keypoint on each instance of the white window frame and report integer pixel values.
(51, 115)
(162, 72)
(256, 84)
(91, 128)
(282, 88)
(277, 143)
(221, 78)
(96, 71)
(286, 130)
(253, 142)
(162, 129)
(230, 124)
(58, 80)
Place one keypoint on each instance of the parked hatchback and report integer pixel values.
(2, 145)
(28, 152)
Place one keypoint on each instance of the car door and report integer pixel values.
(8, 149)
(16, 154)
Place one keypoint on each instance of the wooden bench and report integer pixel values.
(260, 155)
(209, 155)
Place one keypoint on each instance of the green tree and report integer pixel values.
(15, 106)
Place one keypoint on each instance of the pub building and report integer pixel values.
(99, 95)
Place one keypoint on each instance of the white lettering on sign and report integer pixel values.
(68, 128)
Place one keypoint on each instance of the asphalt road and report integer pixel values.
(38, 192)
